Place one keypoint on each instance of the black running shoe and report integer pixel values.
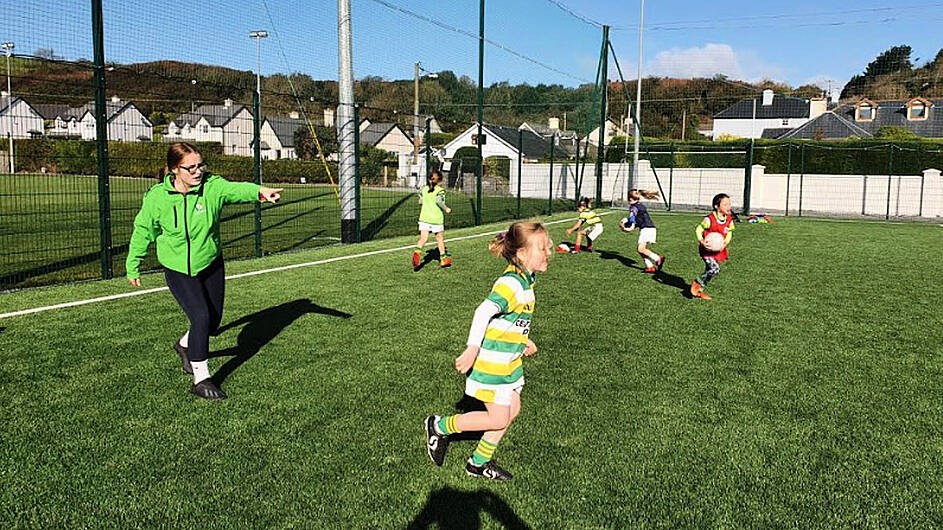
(437, 444)
(184, 358)
(206, 389)
(490, 470)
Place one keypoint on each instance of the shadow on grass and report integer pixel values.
(9, 280)
(628, 262)
(671, 280)
(451, 508)
(371, 230)
(261, 327)
(431, 255)
(279, 204)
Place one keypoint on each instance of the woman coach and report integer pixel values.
(182, 214)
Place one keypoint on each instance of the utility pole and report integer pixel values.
(638, 93)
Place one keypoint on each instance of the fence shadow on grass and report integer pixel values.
(452, 508)
(260, 328)
(9, 280)
(373, 228)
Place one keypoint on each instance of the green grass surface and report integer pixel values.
(50, 230)
(807, 393)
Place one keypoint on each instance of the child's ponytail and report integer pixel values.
(518, 235)
(637, 194)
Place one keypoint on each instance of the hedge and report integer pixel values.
(145, 159)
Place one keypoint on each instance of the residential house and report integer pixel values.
(389, 137)
(749, 118)
(278, 136)
(865, 118)
(612, 130)
(501, 142)
(60, 120)
(18, 118)
(125, 122)
(228, 124)
(563, 139)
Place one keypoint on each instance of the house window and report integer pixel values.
(865, 112)
(484, 139)
(917, 111)
(785, 122)
(205, 129)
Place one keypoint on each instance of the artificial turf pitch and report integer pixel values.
(807, 393)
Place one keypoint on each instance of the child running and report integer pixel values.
(720, 221)
(588, 224)
(639, 218)
(498, 338)
(431, 219)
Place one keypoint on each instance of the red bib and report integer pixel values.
(722, 229)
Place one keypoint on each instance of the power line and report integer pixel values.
(576, 15)
(469, 34)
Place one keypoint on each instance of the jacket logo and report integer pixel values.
(199, 207)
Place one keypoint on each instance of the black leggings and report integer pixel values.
(201, 298)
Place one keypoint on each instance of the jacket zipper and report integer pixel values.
(175, 216)
(186, 233)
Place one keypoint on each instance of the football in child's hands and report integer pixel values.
(624, 224)
(714, 242)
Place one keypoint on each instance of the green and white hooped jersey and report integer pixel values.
(499, 364)
(589, 218)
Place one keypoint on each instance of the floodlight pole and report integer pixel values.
(8, 50)
(638, 96)
(347, 126)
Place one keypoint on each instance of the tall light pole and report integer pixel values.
(258, 36)
(7, 48)
(638, 94)
(418, 68)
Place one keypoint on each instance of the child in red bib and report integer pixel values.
(721, 222)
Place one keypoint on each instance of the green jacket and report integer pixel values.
(186, 227)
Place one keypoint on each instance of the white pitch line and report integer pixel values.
(253, 273)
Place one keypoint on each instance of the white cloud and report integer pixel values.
(709, 60)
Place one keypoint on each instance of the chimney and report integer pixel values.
(328, 117)
(554, 124)
(767, 97)
(293, 115)
(817, 107)
(227, 102)
(115, 99)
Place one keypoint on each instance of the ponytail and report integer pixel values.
(518, 235)
(637, 194)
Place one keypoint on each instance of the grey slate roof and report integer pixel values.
(533, 145)
(782, 107)
(894, 113)
(375, 132)
(52, 111)
(828, 126)
(774, 133)
(111, 107)
(285, 129)
(216, 115)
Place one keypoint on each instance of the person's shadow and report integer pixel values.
(260, 328)
(628, 262)
(671, 280)
(431, 255)
(452, 508)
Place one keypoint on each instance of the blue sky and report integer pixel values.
(796, 42)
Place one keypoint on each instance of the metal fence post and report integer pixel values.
(357, 208)
(481, 105)
(101, 137)
(788, 174)
(257, 165)
(890, 172)
(576, 184)
(923, 178)
(864, 195)
(428, 146)
(520, 174)
(550, 193)
(671, 174)
(603, 112)
(801, 175)
(748, 179)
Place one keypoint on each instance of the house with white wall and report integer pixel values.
(228, 124)
(612, 130)
(278, 136)
(60, 120)
(502, 142)
(387, 136)
(18, 118)
(770, 112)
(125, 122)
